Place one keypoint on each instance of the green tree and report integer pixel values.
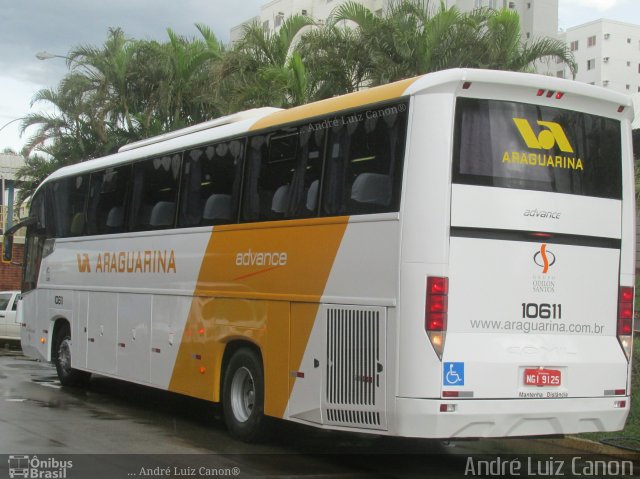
(411, 38)
(264, 69)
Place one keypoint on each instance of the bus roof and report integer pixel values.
(260, 118)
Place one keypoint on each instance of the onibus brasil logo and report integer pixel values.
(550, 135)
(33, 467)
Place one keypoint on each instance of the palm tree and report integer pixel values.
(187, 91)
(412, 38)
(265, 70)
(108, 71)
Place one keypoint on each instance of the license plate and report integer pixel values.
(542, 377)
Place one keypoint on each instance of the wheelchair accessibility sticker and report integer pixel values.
(453, 374)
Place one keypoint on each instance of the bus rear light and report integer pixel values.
(436, 322)
(466, 85)
(620, 109)
(620, 404)
(450, 394)
(447, 407)
(615, 392)
(559, 95)
(540, 92)
(437, 285)
(550, 93)
(435, 315)
(625, 319)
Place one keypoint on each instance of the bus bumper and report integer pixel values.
(514, 417)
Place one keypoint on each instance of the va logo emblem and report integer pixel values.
(546, 139)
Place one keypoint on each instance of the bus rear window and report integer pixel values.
(517, 145)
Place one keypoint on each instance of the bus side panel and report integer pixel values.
(247, 263)
(425, 245)
(167, 325)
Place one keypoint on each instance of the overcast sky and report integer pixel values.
(30, 26)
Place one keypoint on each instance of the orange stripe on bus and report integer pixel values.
(310, 247)
(331, 105)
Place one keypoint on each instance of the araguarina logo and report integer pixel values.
(544, 258)
(546, 139)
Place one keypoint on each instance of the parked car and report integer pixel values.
(9, 329)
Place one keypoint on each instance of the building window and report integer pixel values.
(279, 19)
(559, 61)
(591, 41)
(591, 64)
(265, 25)
(574, 45)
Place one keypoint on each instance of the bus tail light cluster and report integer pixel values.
(625, 319)
(435, 315)
(550, 94)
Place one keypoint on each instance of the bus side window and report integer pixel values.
(211, 178)
(304, 189)
(252, 203)
(70, 196)
(364, 162)
(107, 196)
(282, 179)
(155, 193)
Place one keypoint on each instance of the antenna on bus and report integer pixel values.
(224, 120)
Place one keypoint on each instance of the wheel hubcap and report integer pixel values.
(243, 394)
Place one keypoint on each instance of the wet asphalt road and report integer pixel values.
(132, 427)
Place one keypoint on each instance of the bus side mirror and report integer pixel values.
(7, 247)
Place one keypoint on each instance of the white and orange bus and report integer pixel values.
(446, 256)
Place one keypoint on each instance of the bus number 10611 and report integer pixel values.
(541, 311)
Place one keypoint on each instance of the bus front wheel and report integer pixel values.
(62, 359)
(243, 396)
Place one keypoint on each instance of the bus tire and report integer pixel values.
(67, 375)
(243, 396)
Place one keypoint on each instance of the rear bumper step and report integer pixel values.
(502, 418)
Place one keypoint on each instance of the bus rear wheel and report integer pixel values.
(62, 359)
(243, 396)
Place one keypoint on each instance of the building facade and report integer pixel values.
(607, 53)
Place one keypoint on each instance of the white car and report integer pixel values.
(9, 329)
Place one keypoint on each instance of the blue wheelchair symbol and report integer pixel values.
(453, 374)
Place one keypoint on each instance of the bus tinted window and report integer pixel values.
(517, 145)
(283, 174)
(155, 193)
(364, 161)
(211, 184)
(70, 195)
(107, 198)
